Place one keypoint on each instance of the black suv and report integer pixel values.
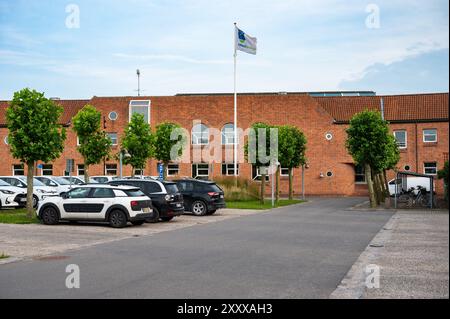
(201, 197)
(166, 198)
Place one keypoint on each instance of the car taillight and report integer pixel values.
(213, 194)
(133, 203)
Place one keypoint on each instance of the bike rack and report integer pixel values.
(402, 175)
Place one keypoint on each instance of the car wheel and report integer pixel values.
(198, 208)
(154, 219)
(117, 219)
(137, 222)
(35, 201)
(50, 216)
(211, 212)
(166, 219)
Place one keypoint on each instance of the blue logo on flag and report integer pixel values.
(241, 35)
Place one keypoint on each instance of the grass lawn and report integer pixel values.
(3, 256)
(255, 204)
(16, 216)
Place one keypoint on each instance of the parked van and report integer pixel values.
(403, 185)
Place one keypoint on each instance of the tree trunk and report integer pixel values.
(165, 164)
(263, 188)
(132, 171)
(290, 184)
(376, 186)
(277, 185)
(30, 171)
(383, 185)
(86, 173)
(386, 184)
(373, 202)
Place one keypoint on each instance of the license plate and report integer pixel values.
(221, 196)
(146, 210)
(23, 199)
(178, 205)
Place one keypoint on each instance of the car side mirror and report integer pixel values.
(63, 195)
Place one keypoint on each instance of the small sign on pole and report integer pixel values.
(161, 171)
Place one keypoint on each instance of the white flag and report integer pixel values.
(244, 42)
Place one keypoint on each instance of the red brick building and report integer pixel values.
(419, 121)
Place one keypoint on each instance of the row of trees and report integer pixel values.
(288, 152)
(373, 147)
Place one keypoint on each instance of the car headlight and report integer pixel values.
(42, 191)
(168, 198)
(4, 191)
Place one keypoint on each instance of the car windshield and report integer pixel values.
(171, 188)
(61, 181)
(3, 183)
(36, 182)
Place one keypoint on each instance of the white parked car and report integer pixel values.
(103, 179)
(60, 184)
(40, 191)
(10, 196)
(116, 205)
(74, 180)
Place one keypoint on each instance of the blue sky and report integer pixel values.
(187, 46)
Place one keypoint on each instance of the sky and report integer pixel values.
(81, 48)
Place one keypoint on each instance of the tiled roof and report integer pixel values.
(70, 107)
(414, 107)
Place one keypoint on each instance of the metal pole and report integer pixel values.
(273, 190)
(235, 106)
(431, 190)
(395, 195)
(303, 182)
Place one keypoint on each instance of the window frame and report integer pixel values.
(111, 139)
(227, 167)
(256, 171)
(80, 167)
(197, 169)
(224, 137)
(107, 169)
(14, 169)
(170, 167)
(45, 169)
(130, 107)
(406, 138)
(435, 135)
(362, 173)
(201, 132)
(435, 168)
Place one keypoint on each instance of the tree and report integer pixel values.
(169, 141)
(370, 144)
(138, 141)
(254, 151)
(95, 145)
(34, 132)
(443, 174)
(291, 151)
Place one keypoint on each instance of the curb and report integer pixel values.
(353, 285)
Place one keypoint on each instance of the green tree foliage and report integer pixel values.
(138, 141)
(34, 132)
(169, 141)
(443, 174)
(291, 151)
(371, 145)
(95, 145)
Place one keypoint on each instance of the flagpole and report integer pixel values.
(235, 106)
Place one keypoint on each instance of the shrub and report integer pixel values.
(238, 189)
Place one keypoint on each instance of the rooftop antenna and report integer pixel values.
(138, 73)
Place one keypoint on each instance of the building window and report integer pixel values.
(228, 134)
(80, 169)
(138, 172)
(200, 134)
(113, 138)
(200, 170)
(256, 173)
(401, 138)
(78, 141)
(360, 174)
(430, 136)
(6, 140)
(47, 169)
(228, 169)
(430, 168)
(173, 169)
(18, 169)
(111, 169)
(140, 107)
(284, 171)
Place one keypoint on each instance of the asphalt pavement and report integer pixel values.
(300, 251)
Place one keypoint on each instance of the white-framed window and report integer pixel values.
(284, 171)
(173, 169)
(228, 134)
(5, 140)
(138, 172)
(18, 169)
(430, 135)
(78, 141)
(111, 169)
(80, 169)
(113, 138)
(140, 107)
(430, 168)
(360, 174)
(200, 170)
(228, 169)
(401, 138)
(200, 134)
(256, 174)
(47, 169)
